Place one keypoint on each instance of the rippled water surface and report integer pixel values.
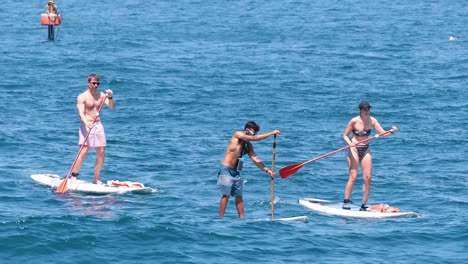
(185, 76)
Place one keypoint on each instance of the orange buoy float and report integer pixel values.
(51, 19)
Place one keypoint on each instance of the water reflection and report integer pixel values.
(102, 206)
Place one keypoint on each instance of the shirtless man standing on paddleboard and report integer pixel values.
(229, 180)
(88, 104)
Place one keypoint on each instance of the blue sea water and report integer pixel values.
(186, 75)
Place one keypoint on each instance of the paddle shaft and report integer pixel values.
(291, 169)
(62, 188)
(273, 180)
(344, 148)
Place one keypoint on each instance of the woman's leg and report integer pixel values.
(353, 172)
(366, 167)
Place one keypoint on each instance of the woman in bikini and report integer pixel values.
(359, 154)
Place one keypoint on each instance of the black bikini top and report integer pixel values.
(361, 133)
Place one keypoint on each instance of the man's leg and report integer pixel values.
(222, 205)
(79, 162)
(240, 206)
(100, 155)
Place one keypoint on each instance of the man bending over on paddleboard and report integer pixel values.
(359, 154)
(89, 104)
(229, 181)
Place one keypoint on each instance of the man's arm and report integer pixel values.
(109, 99)
(256, 160)
(259, 137)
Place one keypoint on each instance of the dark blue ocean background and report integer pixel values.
(185, 76)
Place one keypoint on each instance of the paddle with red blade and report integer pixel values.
(63, 187)
(273, 180)
(291, 169)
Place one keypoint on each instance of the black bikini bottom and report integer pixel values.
(362, 150)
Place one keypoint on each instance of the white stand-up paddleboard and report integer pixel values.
(303, 219)
(334, 208)
(53, 181)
